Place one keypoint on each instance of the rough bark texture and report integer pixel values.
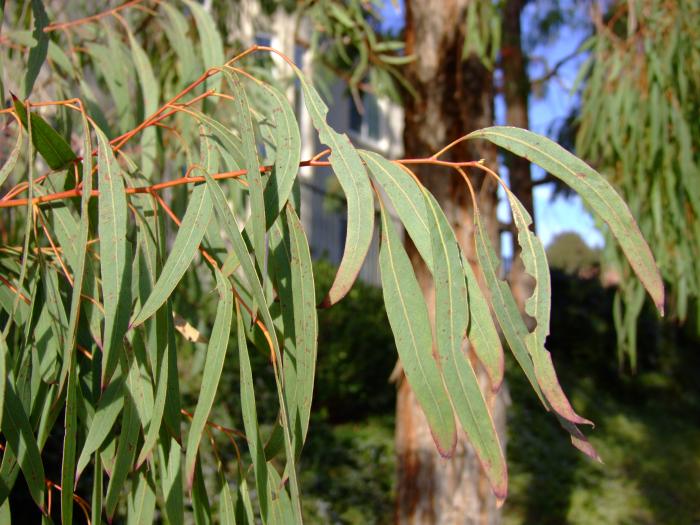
(455, 97)
(516, 90)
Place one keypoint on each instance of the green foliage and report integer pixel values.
(639, 123)
(93, 289)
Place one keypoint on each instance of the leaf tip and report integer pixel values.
(445, 452)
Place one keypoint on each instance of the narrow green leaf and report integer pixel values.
(241, 115)
(211, 44)
(159, 347)
(352, 176)
(69, 443)
(20, 438)
(504, 305)
(281, 511)
(4, 351)
(38, 52)
(96, 500)
(291, 262)
(176, 32)
(408, 317)
(112, 210)
(213, 366)
(482, 331)
(227, 221)
(451, 320)
(408, 201)
(244, 507)
(11, 161)
(538, 306)
(53, 147)
(593, 189)
(141, 504)
(150, 92)
(229, 144)
(250, 420)
(108, 409)
(170, 463)
(124, 460)
(200, 500)
(78, 265)
(287, 155)
(184, 249)
(227, 509)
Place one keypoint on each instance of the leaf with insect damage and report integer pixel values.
(593, 189)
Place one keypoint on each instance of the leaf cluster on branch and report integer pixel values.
(89, 277)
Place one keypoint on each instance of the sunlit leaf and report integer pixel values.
(593, 189)
(451, 319)
(408, 317)
(213, 365)
(352, 176)
(291, 260)
(113, 254)
(183, 250)
(250, 421)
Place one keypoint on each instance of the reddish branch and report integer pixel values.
(92, 18)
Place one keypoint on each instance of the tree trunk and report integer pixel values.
(516, 90)
(455, 96)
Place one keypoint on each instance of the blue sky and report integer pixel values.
(552, 216)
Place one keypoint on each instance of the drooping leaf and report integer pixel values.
(287, 155)
(112, 207)
(593, 189)
(78, 265)
(252, 165)
(451, 320)
(124, 459)
(150, 92)
(352, 176)
(211, 44)
(538, 306)
(291, 262)
(108, 409)
(228, 223)
(250, 421)
(408, 317)
(213, 366)
(141, 504)
(504, 305)
(170, 474)
(38, 52)
(200, 499)
(408, 201)
(20, 438)
(176, 32)
(183, 250)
